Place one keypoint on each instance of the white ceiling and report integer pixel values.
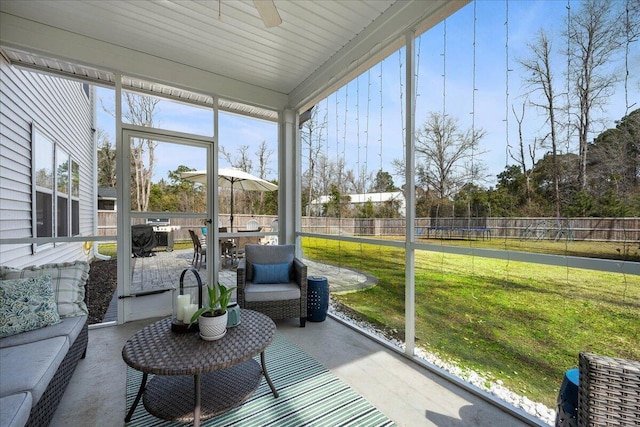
(222, 48)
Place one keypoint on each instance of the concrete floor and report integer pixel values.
(407, 393)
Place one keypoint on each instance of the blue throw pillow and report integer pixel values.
(271, 273)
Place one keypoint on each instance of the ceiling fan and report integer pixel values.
(268, 13)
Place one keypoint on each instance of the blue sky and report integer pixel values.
(492, 111)
(235, 131)
(367, 136)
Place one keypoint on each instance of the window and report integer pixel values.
(75, 198)
(56, 182)
(43, 177)
(62, 179)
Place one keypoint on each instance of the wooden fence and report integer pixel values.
(540, 228)
(107, 223)
(534, 228)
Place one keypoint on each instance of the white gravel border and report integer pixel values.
(495, 388)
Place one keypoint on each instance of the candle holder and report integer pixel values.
(183, 304)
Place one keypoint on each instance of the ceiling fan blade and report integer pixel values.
(268, 12)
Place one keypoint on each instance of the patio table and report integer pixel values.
(183, 363)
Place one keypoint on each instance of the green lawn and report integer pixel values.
(628, 251)
(519, 322)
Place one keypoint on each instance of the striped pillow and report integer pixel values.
(68, 281)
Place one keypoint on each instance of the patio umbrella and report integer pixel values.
(232, 178)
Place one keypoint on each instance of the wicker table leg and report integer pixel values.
(196, 408)
(173, 397)
(266, 375)
(143, 383)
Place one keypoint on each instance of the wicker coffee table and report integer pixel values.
(184, 363)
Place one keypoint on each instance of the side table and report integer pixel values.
(566, 412)
(317, 298)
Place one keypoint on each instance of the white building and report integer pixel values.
(357, 200)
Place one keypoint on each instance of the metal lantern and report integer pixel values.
(186, 300)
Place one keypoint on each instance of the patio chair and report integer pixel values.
(608, 391)
(199, 250)
(252, 225)
(271, 240)
(273, 281)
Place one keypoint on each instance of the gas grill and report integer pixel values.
(163, 231)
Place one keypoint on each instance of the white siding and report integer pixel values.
(62, 110)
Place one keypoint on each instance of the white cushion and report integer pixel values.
(69, 327)
(254, 292)
(38, 362)
(15, 409)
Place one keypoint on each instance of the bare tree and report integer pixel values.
(241, 200)
(631, 35)
(521, 158)
(325, 171)
(264, 156)
(140, 110)
(106, 160)
(445, 155)
(241, 161)
(595, 35)
(311, 138)
(538, 77)
(351, 181)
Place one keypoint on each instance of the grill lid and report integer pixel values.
(158, 221)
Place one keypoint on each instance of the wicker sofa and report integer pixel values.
(280, 298)
(608, 391)
(36, 365)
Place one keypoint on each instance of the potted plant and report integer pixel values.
(212, 318)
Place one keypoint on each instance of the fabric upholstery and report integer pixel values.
(273, 292)
(271, 273)
(69, 327)
(40, 360)
(68, 281)
(279, 300)
(26, 304)
(15, 409)
(264, 254)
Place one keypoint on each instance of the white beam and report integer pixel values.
(287, 176)
(45, 40)
(410, 195)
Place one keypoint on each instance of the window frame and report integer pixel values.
(71, 193)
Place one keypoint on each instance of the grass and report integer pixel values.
(627, 251)
(518, 322)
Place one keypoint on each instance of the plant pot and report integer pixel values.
(212, 327)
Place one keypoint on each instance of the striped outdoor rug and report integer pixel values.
(310, 395)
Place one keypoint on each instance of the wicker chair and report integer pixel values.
(199, 250)
(276, 300)
(608, 391)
